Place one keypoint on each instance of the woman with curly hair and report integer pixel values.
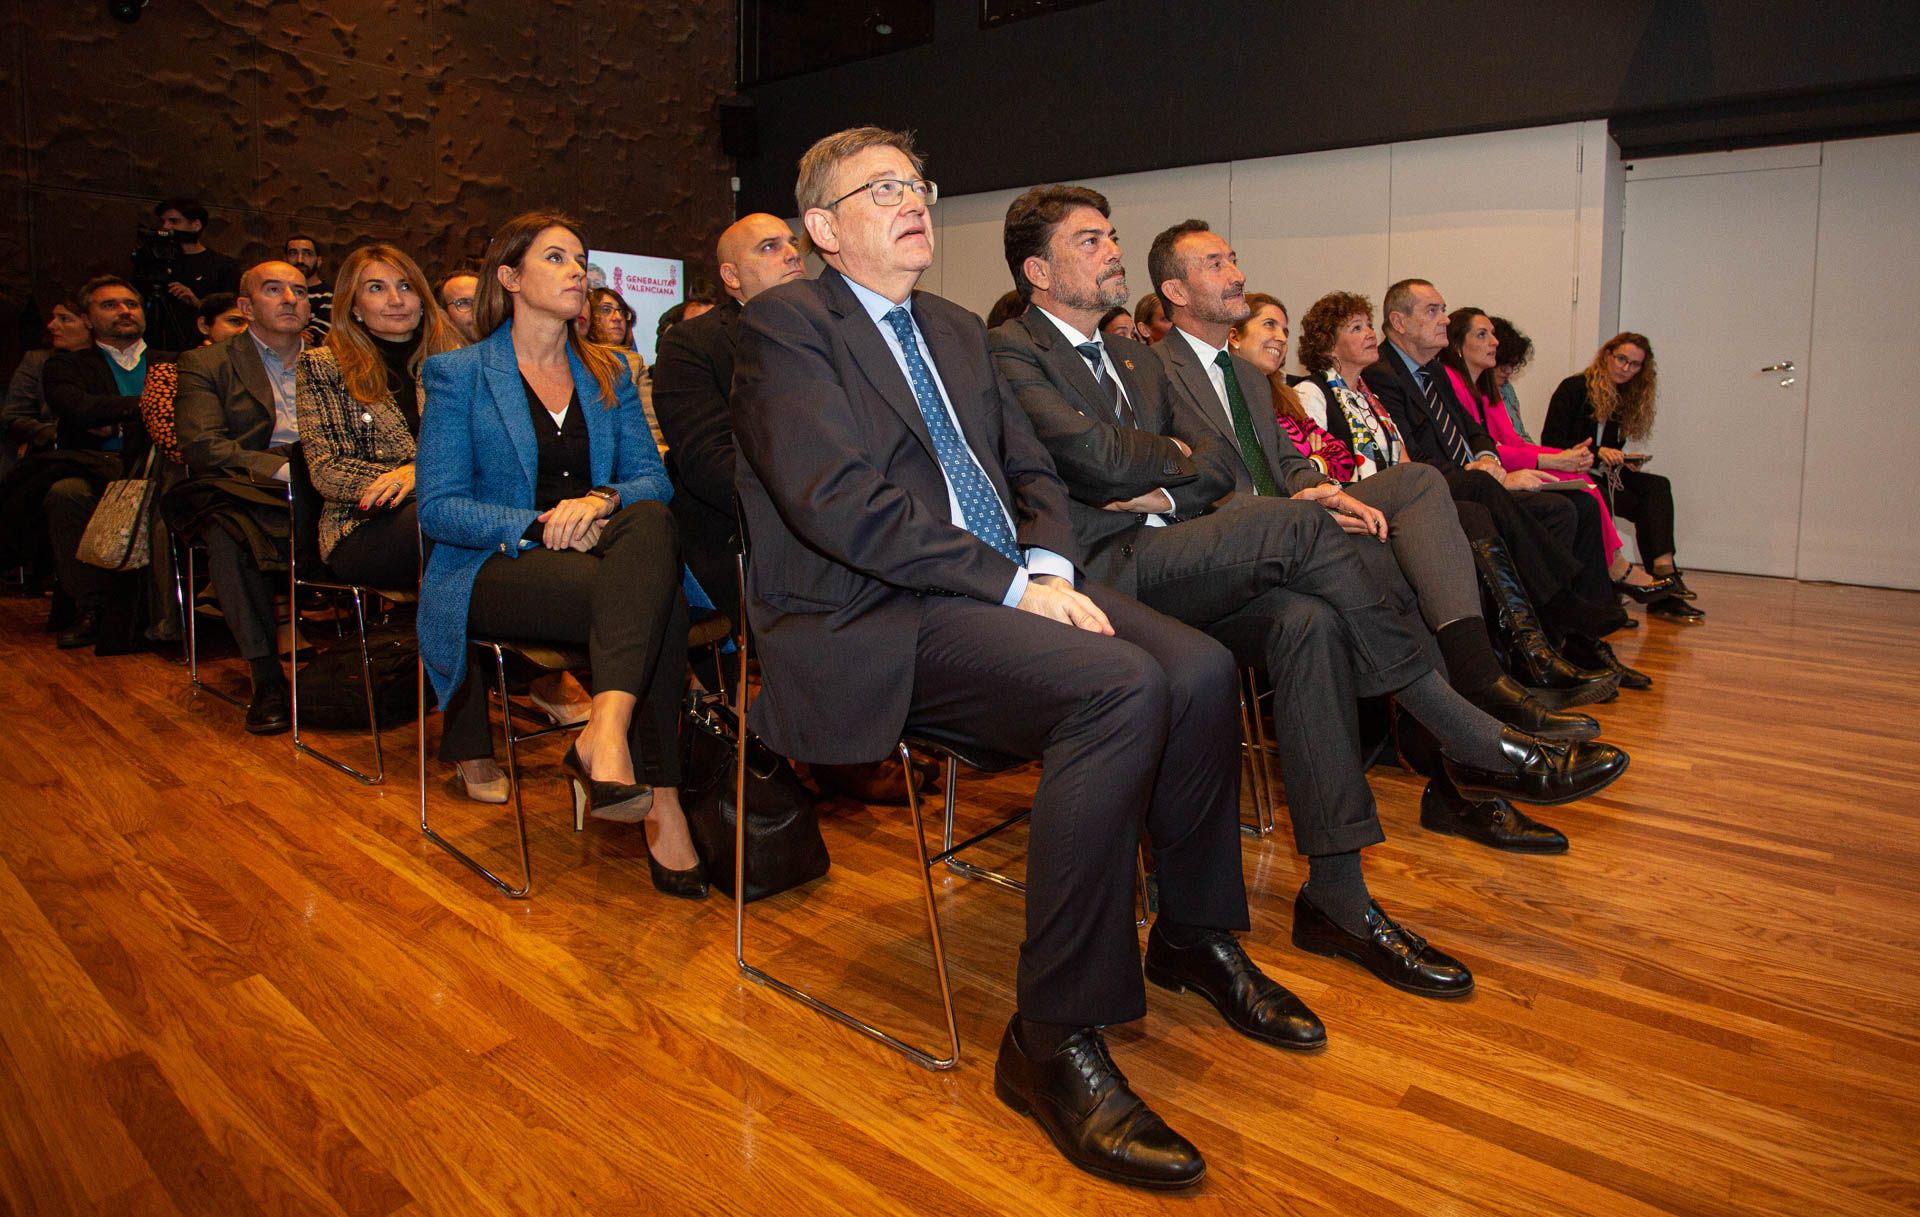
(1337, 343)
(1610, 406)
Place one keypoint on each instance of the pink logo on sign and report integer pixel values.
(616, 278)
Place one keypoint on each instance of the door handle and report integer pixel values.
(1785, 365)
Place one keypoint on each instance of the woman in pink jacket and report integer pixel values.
(1469, 359)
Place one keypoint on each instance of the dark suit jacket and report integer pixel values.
(692, 385)
(846, 507)
(1570, 418)
(1193, 389)
(1101, 460)
(223, 412)
(82, 393)
(1400, 393)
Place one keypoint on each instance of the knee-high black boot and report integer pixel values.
(1531, 656)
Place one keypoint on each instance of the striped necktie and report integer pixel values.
(1116, 400)
(1443, 419)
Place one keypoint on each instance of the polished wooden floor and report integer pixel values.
(235, 982)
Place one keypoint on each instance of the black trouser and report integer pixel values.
(1647, 500)
(1328, 618)
(245, 594)
(1143, 721)
(1546, 564)
(622, 599)
(69, 504)
(1593, 583)
(381, 551)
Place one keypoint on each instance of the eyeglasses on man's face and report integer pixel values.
(888, 191)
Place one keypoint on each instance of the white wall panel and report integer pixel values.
(1491, 219)
(1307, 225)
(1858, 521)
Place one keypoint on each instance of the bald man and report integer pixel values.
(235, 416)
(692, 386)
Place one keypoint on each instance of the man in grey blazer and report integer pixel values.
(1151, 481)
(236, 418)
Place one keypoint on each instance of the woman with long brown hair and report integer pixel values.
(1611, 407)
(545, 498)
(1261, 340)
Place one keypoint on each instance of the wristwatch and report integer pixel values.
(608, 493)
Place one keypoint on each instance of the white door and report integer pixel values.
(1718, 273)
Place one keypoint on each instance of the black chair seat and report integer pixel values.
(708, 629)
(527, 660)
(971, 755)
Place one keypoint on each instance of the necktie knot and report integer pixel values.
(1224, 361)
(1091, 350)
(901, 321)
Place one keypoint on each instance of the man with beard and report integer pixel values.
(304, 255)
(95, 397)
(1153, 481)
(236, 419)
(456, 293)
(195, 273)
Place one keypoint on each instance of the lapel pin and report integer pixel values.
(1129, 364)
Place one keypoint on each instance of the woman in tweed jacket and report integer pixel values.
(359, 405)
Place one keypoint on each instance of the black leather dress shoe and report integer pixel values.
(1542, 772)
(1393, 953)
(1082, 1102)
(1217, 968)
(84, 632)
(1494, 823)
(271, 710)
(1597, 654)
(1673, 608)
(1508, 701)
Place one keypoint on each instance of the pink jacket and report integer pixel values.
(1515, 453)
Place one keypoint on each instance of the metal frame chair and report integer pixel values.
(516, 658)
(1259, 755)
(304, 545)
(183, 592)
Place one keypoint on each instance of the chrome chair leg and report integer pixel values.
(379, 773)
(919, 1056)
(193, 643)
(1258, 777)
(950, 853)
(513, 777)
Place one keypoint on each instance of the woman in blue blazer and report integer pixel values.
(545, 498)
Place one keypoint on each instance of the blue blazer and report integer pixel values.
(475, 476)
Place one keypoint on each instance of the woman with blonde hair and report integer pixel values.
(1611, 407)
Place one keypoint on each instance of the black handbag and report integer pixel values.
(784, 847)
(332, 697)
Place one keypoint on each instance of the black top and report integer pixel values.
(566, 460)
(396, 354)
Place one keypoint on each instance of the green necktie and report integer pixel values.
(1250, 454)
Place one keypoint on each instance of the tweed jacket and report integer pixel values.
(476, 470)
(348, 443)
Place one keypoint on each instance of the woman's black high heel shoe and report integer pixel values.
(688, 884)
(589, 794)
(1659, 589)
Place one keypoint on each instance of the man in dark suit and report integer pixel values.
(95, 398)
(235, 415)
(692, 388)
(1553, 539)
(911, 568)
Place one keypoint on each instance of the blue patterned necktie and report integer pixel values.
(985, 516)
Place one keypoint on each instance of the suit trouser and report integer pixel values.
(1425, 533)
(1284, 588)
(69, 504)
(1139, 724)
(245, 595)
(1592, 583)
(1531, 525)
(1647, 500)
(623, 600)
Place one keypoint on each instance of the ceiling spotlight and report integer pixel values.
(126, 12)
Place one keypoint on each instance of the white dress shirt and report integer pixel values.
(1076, 339)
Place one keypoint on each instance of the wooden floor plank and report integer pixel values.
(236, 982)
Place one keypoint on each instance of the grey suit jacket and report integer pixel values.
(224, 412)
(1100, 459)
(1292, 471)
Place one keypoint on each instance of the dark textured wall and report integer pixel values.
(423, 122)
(1122, 86)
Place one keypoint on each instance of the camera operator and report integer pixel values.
(175, 278)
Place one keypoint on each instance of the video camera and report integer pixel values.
(155, 252)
